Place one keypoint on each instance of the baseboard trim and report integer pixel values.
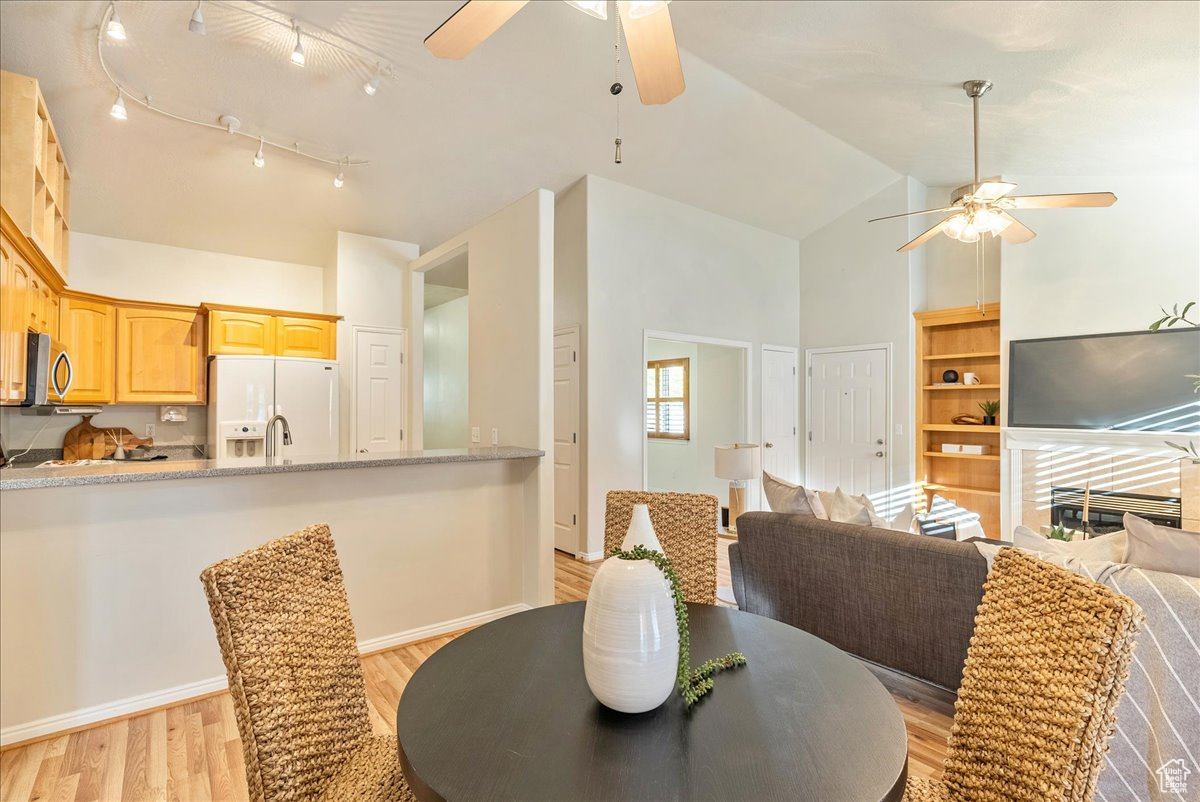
(148, 702)
(589, 556)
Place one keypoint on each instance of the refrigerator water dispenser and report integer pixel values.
(242, 440)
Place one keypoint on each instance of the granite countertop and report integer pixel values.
(19, 478)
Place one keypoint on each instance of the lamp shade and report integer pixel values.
(735, 461)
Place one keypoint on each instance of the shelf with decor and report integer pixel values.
(951, 343)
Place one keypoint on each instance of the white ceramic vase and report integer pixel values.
(630, 636)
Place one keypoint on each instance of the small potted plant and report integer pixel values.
(990, 408)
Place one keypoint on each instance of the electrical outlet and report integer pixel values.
(474, 434)
(495, 437)
(149, 430)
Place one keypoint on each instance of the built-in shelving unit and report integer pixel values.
(966, 340)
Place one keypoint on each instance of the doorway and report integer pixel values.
(446, 354)
(377, 425)
(696, 396)
(847, 419)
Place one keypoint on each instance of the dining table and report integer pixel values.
(504, 712)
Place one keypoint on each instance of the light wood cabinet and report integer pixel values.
(42, 306)
(35, 184)
(160, 355)
(88, 332)
(305, 337)
(14, 286)
(244, 333)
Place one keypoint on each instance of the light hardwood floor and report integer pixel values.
(191, 751)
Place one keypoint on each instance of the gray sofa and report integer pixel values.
(903, 601)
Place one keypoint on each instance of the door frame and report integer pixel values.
(887, 407)
(697, 339)
(404, 346)
(762, 396)
(581, 490)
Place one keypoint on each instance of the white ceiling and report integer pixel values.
(1099, 88)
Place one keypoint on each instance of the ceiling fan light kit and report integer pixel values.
(981, 208)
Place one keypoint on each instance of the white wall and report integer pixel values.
(372, 287)
(446, 366)
(654, 263)
(855, 289)
(718, 413)
(511, 339)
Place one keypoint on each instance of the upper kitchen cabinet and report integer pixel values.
(14, 314)
(306, 337)
(160, 355)
(242, 330)
(88, 330)
(35, 184)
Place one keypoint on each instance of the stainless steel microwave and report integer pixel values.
(48, 371)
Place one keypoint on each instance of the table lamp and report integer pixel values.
(735, 462)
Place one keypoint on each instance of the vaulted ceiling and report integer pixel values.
(794, 112)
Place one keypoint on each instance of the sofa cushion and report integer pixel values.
(1161, 548)
(786, 497)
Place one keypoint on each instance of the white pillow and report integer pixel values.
(1161, 548)
(784, 496)
(849, 509)
(903, 521)
(1105, 548)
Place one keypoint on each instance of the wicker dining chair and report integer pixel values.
(686, 525)
(1045, 670)
(284, 628)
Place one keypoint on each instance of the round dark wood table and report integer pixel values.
(504, 713)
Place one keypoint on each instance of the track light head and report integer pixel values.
(340, 179)
(298, 50)
(196, 25)
(114, 29)
(372, 86)
(260, 160)
(118, 108)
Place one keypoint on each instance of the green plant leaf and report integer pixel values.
(1155, 325)
(1188, 306)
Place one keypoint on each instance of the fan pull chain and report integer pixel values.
(616, 89)
(979, 275)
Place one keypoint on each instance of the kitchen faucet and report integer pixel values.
(270, 434)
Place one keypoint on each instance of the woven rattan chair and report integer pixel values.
(283, 624)
(1045, 670)
(686, 525)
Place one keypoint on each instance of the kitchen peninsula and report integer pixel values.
(102, 610)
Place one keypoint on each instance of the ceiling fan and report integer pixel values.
(649, 37)
(982, 207)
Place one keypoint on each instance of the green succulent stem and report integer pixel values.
(693, 683)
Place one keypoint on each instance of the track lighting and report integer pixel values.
(197, 23)
(593, 8)
(298, 51)
(259, 159)
(118, 108)
(115, 29)
(340, 178)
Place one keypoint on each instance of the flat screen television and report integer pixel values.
(1127, 381)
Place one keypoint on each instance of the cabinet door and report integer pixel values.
(88, 332)
(302, 336)
(15, 325)
(160, 356)
(246, 333)
(53, 310)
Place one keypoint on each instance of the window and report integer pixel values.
(667, 413)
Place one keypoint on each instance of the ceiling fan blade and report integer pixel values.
(652, 51)
(910, 214)
(921, 240)
(992, 190)
(1015, 232)
(468, 27)
(1072, 201)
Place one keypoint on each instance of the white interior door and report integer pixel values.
(847, 420)
(779, 426)
(378, 390)
(566, 441)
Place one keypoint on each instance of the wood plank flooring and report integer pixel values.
(191, 751)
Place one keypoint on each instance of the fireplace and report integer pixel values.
(1107, 508)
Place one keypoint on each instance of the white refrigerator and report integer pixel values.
(245, 391)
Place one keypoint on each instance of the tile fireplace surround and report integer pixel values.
(1126, 462)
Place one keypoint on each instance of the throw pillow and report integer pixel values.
(1105, 548)
(1161, 548)
(786, 497)
(849, 509)
(903, 522)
